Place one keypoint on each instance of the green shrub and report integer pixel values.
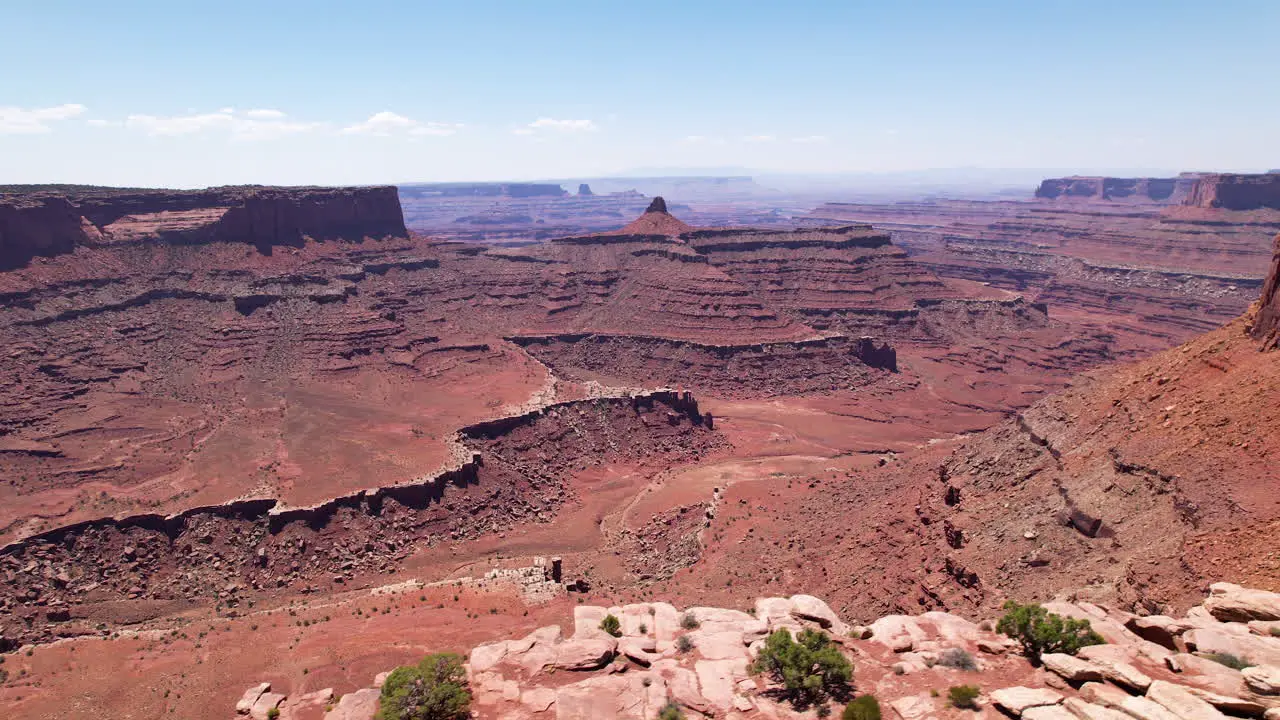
(1235, 662)
(863, 707)
(434, 689)
(671, 711)
(963, 696)
(611, 625)
(273, 713)
(809, 667)
(684, 644)
(1275, 632)
(689, 622)
(957, 658)
(1040, 631)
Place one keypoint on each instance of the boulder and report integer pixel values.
(590, 653)
(718, 678)
(774, 610)
(666, 621)
(1049, 712)
(381, 679)
(586, 621)
(1103, 694)
(359, 705)
(1262, 679)
(265, 703)
(1232, 603)
(725, 645)
(914, 707)
(308, 705)
(1181, 702)
(1159, 629)
(1209, 675)
(250, 697)
(682, 685)
(1258, 650)
(1144, 709)
(485, 657)
(1071, 669)
(899, 633)
(629, 696)
(1228, 703)
(642, 650)
(538, 699)
(1017, 699)
(1111, 660)
(809, 607)
(1089, 711)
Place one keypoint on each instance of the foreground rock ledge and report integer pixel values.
(906, 661)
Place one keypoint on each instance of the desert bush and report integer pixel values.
(273, 713)
(863, 707)
(957, 658)
(1040, 631)
(1235, 662)
(684, 644)
(611, 625)
(671, 711)
(434, 689)
(809, 667)
(963, 696)
(689, 622)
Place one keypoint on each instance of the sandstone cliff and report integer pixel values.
(46, 225)
(1236, 192)
(1159, 190)
(1267, 324)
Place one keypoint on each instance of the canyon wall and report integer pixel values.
(1236, 192)
(1142, 190)
(44, 224)
(1267, 324)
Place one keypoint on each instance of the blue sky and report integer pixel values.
(184, 93)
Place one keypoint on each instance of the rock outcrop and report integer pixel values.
(701, 661)
(1150, 190)
(1236, 192)
(1266, 325)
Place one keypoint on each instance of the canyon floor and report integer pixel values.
(298, 462)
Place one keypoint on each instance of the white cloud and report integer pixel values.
(810, 139)
(265, 114)
(759, 138)
(564, 126)
(388, 123)
(21, 121)
(251, 125)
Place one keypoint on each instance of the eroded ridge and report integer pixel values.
(92, 575)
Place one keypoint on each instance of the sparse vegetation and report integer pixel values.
(863, 707)
(434, 689)
(684, 644)
(1235, 662)
(671, 711)
(273, 713)
(1040, 631)
(964, 696)
(689, 622)
(809, 667)
(957, 658)
(610, 624)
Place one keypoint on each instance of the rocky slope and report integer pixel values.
(1151, 667)
(1137, 485)
(1236, 192)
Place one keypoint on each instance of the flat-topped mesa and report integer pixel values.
(1266, 326)
(46, 224)
(1134, 190)
(1236, 192)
